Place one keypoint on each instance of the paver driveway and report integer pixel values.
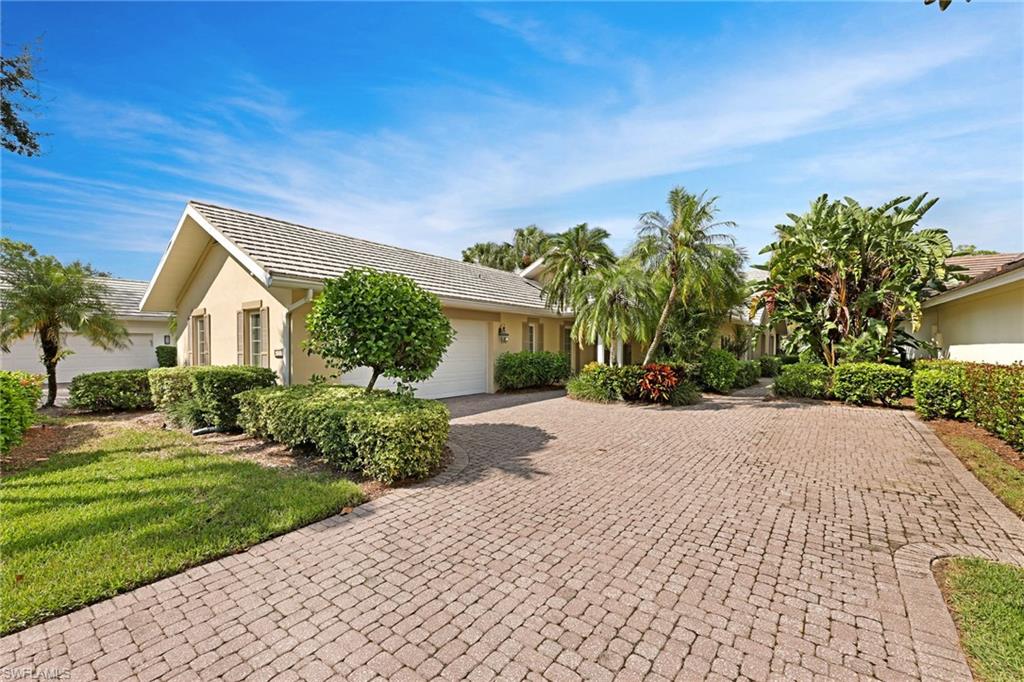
(737, 539)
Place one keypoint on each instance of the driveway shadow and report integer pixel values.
(468, 405)
(506, 448)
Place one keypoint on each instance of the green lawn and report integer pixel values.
(987, 600)
(130, 507)
(1004, 480)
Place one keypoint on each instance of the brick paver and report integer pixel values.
(739, 539)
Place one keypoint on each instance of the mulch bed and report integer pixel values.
(948, 429)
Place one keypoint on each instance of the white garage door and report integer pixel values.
(139, 354)
(463, 369)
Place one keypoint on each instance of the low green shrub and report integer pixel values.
(939, 393)
(770, 365)
(747, 374)
(718, 369)
(604, 383)
(383, 435)
(205, 395)
(859, 383)
(656, 383)
(804, 380)
(166, 356)
(527, 369)
(995, 399)
(685, 393)
(788, 359)
(20, 393)
(117, 390)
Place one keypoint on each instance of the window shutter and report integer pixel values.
(265, 337)
(241, 337)
(540, 335)
(187, 354)
(526, 336)
(209, 358)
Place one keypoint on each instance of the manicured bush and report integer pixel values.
(770, 365)
(602, 383)
(685, 393)
(747, 373)
(19, 394)
(995, 399)
(166, 356)
(788, 359)
(657, 383)
(123, 389)
(859, 383)
(383, 435)
(205, 395)
(718, 370)
(939, 393)
(804, 380)
(527, 369)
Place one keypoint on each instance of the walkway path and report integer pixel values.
(736, 539)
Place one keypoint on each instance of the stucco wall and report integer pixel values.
(987, 327)
(220, 286)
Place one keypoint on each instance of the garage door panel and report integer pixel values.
(463, 368)
(85, 357)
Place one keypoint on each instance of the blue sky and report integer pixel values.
(434, 126)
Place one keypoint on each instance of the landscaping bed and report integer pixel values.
(986, 600)
(123, 502)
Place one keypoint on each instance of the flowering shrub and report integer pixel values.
(657, 383)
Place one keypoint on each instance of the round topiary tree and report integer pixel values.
(379, 320)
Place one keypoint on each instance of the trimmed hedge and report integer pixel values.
(859, 383)
(993, 395)
(747, 373)
(718, 370)
(166, 356)
(527, 369)
(20, 392)
(649, 383)
(770, 365)
(939, 393)
(205, 395)
(117, 390)
(383, 435)
(804, 380)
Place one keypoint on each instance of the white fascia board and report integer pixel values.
(532, 268)
(163, 261)
(973, 289)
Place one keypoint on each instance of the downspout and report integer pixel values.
(287, 374)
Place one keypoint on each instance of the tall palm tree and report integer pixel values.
(684, 248)
(491, 254)
(41, 296)
(572, 255)
(615, 303)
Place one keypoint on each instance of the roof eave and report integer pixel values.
(1014, 272)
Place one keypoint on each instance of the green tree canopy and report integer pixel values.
(40, 296)
(17, 74)
(686, 250)
(846, 278)
(571, 256)
(614, 302)
(528, 244)
(972, 250)
(378, 320)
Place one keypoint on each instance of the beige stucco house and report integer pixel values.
(981, 319)
(242, 284)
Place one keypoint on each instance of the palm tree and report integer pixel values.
(528, 244)
(572, 255)
(41, 296)
(614, 302)
(685, 249)
(491, 254)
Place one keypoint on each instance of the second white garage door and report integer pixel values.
(85, 357)
(463, 369)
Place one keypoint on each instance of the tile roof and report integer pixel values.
(286, 249)
(123, 295)
(977, 265)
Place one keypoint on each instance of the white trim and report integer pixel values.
(286, 369)
(243, 259)
(531, 268)
(972, 289)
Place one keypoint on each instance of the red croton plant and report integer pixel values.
(657, 382)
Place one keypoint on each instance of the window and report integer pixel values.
(531, 337)
(255, 339)
(567, 341)
(202, 355)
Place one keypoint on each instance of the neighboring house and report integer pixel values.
(242, 284)
(981, 319)
(146, 330)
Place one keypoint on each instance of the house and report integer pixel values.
(241, 285)
(146, 330)
(982, 318)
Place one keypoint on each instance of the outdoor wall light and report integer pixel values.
(502, 334)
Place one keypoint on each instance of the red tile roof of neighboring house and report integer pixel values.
(981, 268)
